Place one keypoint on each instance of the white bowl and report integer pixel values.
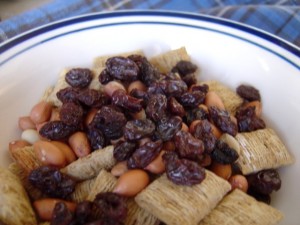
(227, 51)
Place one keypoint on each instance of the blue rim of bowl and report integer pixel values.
(198, 17)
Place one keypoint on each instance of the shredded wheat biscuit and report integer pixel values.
(82, 190)
(239, 208)
(180, 204)
(261, 149)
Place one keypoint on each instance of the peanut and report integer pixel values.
(26, 123)
(112, 86)
(14, 145)
(213, 99)
(41, 112)
(136, 85)
(238, 181)
(66, 150)
(231, 142)
(157, 166)
(80, 144)
(119, 169)
(222, 170)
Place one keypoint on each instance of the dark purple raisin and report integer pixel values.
(168, 87)
(184, 67)
(148, 73)
(104, 77)
(157, 107)
(248, 92)
(110, 205)
(203, 131)
(168, 127)
(104, 221)
(138, 129)
(67, 94)
(190, 79)
(110, 121)
(52, 182)
(183, 171)
(127, 102)
(265, 181)
(247, 119)
(96, 138)
(204, 88)
(61, 214)
(71, 113)
(139, 94)
(175, 107)
(123, 150)
(266, 198)
(56, 130)
(122, 68)
(188, 146)
(93, 98)
(223, 154)
(83, 212)
(145, 154)
(172, 76)
(222, 120)
(195, 114)
(192, 99)
(79, 77)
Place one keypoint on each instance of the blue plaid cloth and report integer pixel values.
(279, 17)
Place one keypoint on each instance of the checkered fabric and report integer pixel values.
(279, 17)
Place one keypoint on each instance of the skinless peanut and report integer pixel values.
(54, 114)
(136, 85)
(90, 116)
(112, 86)
(231, 142)
(131, 182)
(41, 112)
(26, 123)
(49, 154)
(14, 145)
(257, 105)
(169, 146)
(233, 119)
(213, 99)
(119, 169)
(30, 135)
(44, 207)
(157, 166)
(222, 170)
(202, 106)
(239, 181)
(192, 126)
(66, 150)
(80, 144)
(216, 131)
(185, 127)
(141, 115)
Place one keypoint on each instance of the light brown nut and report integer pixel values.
(14, 145)
(257, 105)
(238, 181)
(206, 161)
(44, 207)
(139, 85)
(49, 154)
(213, 99)
(131, 183)
(54, 114)
(112, 86)
(90, 116)
(222, 170)
(185, 127)
(169, 146)
(30, 135)
(193, 125)
(157, 166)
(141, 115)
(119, 169)
(80, 144)
(231, 142)
(26, 123)
(41, 112)
(216, 131)
(66, 150)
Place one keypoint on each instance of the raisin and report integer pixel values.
(189, 79)
(184, 67)
(247, 119)
(168, 127)
(248, 92)
(175, 107)
(122, 68)
(96, 138)
(110, 121)
(204, 88)
(138, 129)
(127, 102)
(67, 94)
(259, 196)
(144, 155)
(123, 150)
(203, 131)
(56, 130)
(157, 107)
(265, 181)
(183, 171)
(104, 77)
(61, 215)
(195, 114)
(148, 73)
(93, 98)
(222, 120)
(71, 113)
(110, 205)
(139, 94)
(79, 77)
(223, 154)
(83, 212)
(52, 182)
(192, 99)
(168, 87)
(188, 146)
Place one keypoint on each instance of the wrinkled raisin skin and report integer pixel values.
(123, 150)
(157, 107)
(192, 99)
(71, 113)
(203, 131)
(168, 127)
(79, 77)
(175, 107)
(56, 130)
(93, 98)
(67, 94)
(104, 77)
(247, 120)
(137, 129)
(122, 68)
(127, 102)
(96, 138)
(184, 67)
(223, 154)
(61, 214)
(248, 92)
